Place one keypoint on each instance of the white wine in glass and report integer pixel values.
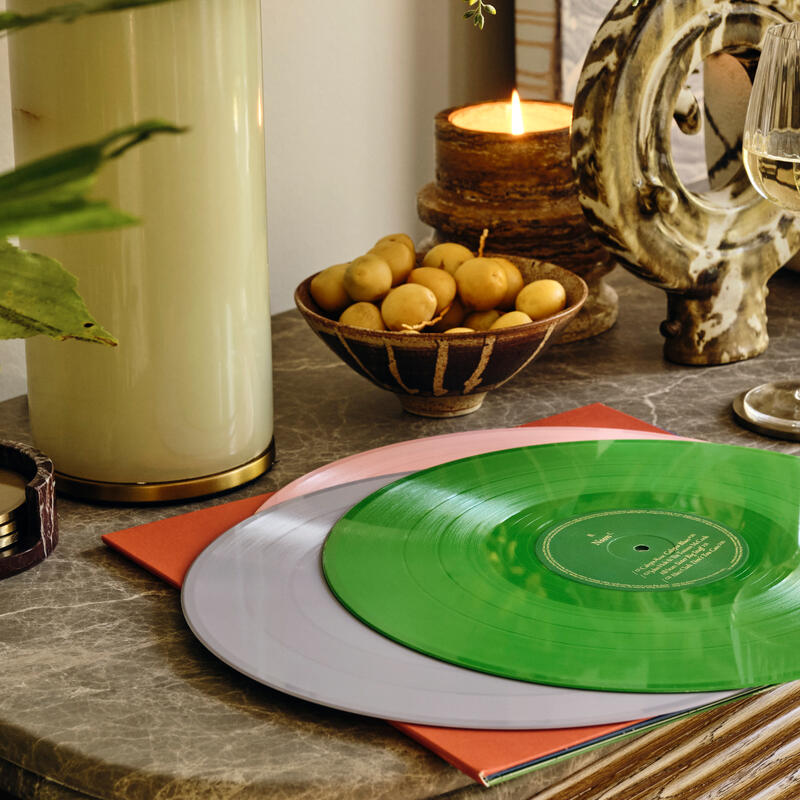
(771, 154)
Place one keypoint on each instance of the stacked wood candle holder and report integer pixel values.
(522, 188)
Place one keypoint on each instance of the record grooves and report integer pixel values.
(645, 566)
(256, 597)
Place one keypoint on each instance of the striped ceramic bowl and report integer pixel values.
(446, 374)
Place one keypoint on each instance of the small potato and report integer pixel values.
(541, 298)
(482, 320)
(408, 305)
(403, 238)
(460, 330)
(368, 278)
(448, 256)
(441, 283)
(399, 258)
(363, 315)
(482, 283)
(515, 282)
(453, 318)
(510, 319)
(327, 288)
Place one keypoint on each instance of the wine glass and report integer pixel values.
(771, 154)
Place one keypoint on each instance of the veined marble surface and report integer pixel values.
(107, 694)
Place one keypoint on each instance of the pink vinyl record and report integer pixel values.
(416, 454)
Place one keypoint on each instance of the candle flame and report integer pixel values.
(517, 126)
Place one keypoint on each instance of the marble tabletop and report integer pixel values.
(106, 693)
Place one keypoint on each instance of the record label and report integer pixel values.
(641, 549)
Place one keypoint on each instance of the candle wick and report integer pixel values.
(484, 236)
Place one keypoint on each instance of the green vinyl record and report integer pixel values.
(643, 566)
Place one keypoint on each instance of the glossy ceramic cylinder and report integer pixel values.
(187, 393)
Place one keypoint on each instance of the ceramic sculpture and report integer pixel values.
(712, 252)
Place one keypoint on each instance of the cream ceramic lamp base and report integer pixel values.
(188, 391)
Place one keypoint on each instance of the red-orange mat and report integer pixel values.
(167, 548)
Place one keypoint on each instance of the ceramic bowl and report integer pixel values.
(446, 374)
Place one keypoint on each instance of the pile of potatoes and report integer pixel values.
(452, 291)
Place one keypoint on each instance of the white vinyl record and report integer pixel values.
(257, 599)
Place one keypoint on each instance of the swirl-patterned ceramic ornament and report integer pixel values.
(712, 252)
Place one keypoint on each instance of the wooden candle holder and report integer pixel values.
(522, 188)
(39, 531)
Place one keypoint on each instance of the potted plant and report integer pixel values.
(52, 196)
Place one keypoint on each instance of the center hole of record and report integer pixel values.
(641, 547)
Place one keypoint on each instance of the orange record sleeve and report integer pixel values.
(167, 548)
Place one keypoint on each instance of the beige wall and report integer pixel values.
(350, 95)
(349, 118)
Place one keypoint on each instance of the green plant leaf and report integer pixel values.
(49, 196)
(37, 295)
(476, 14)
(68, 12)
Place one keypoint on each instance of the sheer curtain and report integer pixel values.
(537, 49)
(552, 39)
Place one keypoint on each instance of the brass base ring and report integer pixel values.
(165, 491)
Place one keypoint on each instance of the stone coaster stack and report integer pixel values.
(12, 511)
(28, 524)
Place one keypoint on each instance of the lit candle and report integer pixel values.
(516, 117)
(510, 171)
